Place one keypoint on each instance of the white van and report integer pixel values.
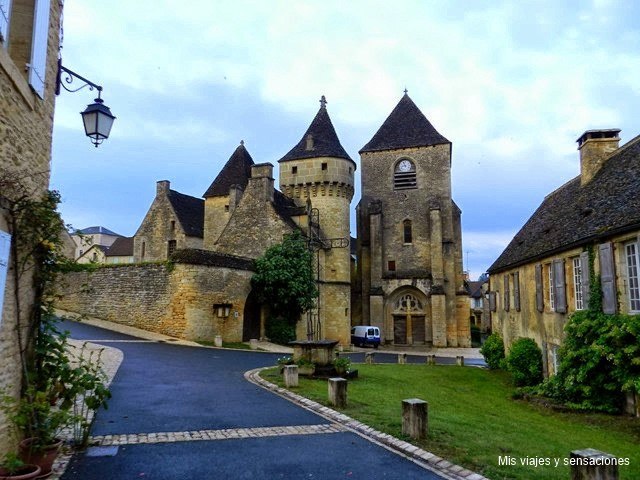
(363, 335)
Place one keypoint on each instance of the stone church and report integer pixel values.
(409, 269)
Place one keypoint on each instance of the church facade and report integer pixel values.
(242, 213)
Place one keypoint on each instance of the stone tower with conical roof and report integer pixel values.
(318, 173)
(409, 235)
(224, 194)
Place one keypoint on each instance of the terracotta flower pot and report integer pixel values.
(25, 472)
(43, 457)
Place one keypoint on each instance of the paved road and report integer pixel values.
(162, 391)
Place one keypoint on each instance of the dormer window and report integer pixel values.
(404, 175)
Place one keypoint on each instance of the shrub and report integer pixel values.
(280, 330)
(525, 362)
(493, 351)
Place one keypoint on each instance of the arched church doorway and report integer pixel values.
(410, 320)
(251, 317)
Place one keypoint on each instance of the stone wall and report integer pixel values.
(26, 123)
(177, 300)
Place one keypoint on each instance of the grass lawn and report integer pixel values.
(473, 420)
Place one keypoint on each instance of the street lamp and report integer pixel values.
(97, 117)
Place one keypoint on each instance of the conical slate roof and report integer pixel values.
(405, 127)
(320, 139)
(236, 171)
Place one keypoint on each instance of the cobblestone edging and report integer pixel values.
(426, 459)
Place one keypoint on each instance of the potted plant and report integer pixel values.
(15, 469)
(306, 367)
(341, 365)
(40, 424)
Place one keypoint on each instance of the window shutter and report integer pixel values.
(559, 286)
(5, 10)
(492, 301)
(38, 64)
(585, 275)
(516, 291)
(506, 293)
(5, 248)
(608, 279)
(539, 290)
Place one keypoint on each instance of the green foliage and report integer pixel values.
(493, 351)
(11, 464)
(599, 360)
(280, 330)
(284, 278)
(525, 362)
(282, 361)
(342, 364)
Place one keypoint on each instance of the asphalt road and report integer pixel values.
(162, 387)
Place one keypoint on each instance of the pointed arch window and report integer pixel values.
(407, 232)
(404, 175)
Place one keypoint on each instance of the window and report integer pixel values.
(406, 231)
(631, 253)
(507, 295)
(5, 248)
(391, 265)
(173, 225)
(404, 175)
(552, 304)
(553, 359)
(226, 208)
(294, 170)
(171, 247)
(38, 63)
(577, 283)
(144, 250)
(5, 8)
(323, 166)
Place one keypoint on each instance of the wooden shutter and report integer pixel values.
(585, 276)
(492, 301)
(5, 248)
(608, 279)
(559, 286)
(506, 293)
(539, 289)
(516, 291)
(38, 63)
(5, 11)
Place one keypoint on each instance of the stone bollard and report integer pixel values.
(253, 343)
(290, 376)
(460, 360)
(632, 404)
(217, 340)
(337, 392)
(415, 420)
(402, 358)
(369, 358)
(431, 359)
(590, 464)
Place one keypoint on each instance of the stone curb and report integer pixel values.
(422, 457)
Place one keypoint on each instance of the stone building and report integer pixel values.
(29, 42)
(409, 235)
(543, 274)
(97, 236)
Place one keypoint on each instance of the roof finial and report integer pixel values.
(242, 142)
(323, 102)
(405, 90)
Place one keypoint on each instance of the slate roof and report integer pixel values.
(325, 139)
(573, 215)
(122, 247)
(475, 288)
(96, 231)
(192, 256)
(236, 171)
(190, 212)
(285, 207)
(405, 127)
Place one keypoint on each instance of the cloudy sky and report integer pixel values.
(511, 84)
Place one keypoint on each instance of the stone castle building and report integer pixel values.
(409, 235)
(243, 214)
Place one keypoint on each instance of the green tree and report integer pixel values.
(284, 281)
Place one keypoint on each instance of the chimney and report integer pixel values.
(595, 147)
(162, 187)
(262, 180)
